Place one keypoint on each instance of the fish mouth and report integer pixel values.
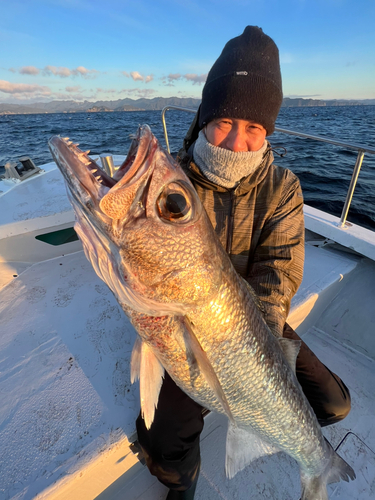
(86, 177)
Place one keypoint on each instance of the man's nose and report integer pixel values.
(236, 141)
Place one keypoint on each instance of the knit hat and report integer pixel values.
(245, 81)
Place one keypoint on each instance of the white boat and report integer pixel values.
(67, 407)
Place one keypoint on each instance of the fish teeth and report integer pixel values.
(83, 158)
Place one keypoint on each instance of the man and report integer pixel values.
(256, 210)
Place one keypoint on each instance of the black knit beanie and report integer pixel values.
(245, 81)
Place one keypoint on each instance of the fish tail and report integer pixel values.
(315, 487)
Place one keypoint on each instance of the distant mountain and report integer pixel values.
(346, 102)
(98, 109)
(127, 107)
(299, 102)
(17, 109)
(157, 103)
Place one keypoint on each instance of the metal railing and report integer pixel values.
(357, 147)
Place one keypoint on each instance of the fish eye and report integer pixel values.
(174, 203)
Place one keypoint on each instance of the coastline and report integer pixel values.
(156, 104)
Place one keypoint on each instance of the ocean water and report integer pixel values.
(324, 170)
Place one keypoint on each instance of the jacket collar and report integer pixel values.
(248, 183)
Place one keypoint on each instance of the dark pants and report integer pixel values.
(171, 445)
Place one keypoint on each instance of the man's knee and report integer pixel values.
(339, 407)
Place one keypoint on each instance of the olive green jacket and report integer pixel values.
(260, 223)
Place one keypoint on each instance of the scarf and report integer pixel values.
(222, 166)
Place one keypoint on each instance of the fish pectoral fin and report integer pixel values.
(146, 367)
(194, 350)
(290, 349)
(242, 448)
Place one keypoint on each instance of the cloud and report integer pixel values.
(77, 88)
(23, 88)
(174, 76)
(129, 91)
(60, 71)
(138, 77)
(86, 73)
(53, 70)
(139, 92)
(29, 70)
(75, 96)
(196, 79)
(297, 96)
(146, 92)
(64, 72)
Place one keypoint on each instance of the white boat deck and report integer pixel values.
(68, 408)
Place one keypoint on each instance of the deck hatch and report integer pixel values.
(60, 237)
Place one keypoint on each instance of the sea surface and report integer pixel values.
(324, 170)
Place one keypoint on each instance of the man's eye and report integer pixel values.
(225, 123)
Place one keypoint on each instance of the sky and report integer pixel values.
(112, 49)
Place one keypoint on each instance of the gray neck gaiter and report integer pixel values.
(223, 167)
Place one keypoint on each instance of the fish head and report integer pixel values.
(144, 230)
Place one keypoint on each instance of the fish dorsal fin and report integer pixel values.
(194, 350)
(147, 368)
(243, 447)
(290, 349)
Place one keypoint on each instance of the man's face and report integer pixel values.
(235, 135)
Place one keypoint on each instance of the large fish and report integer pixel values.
(148, 237)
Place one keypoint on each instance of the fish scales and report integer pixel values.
(261, 388)
(148, 237)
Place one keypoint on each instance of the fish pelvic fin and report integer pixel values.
(195, 350)
(315, 487)
(242, 448)
(135, 360)
(147, 368)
